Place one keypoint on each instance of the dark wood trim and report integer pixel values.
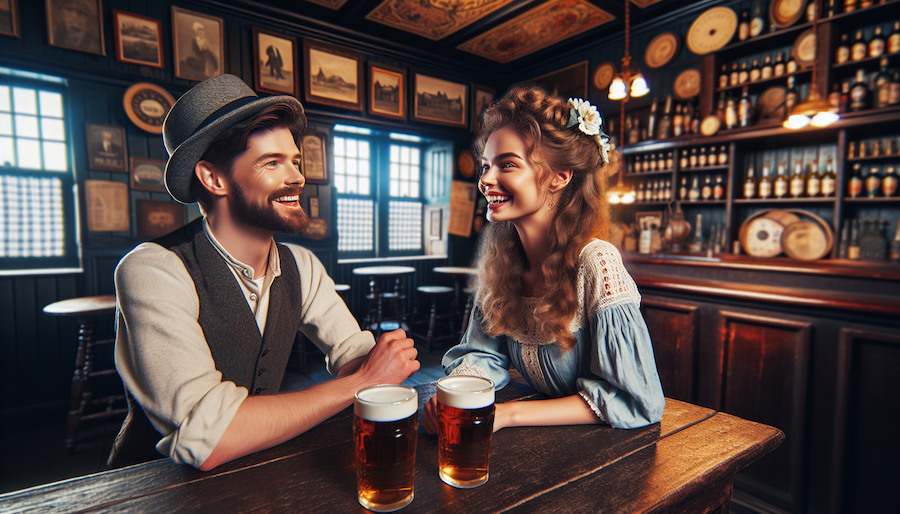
(693, 312)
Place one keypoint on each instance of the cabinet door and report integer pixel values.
(673, 327)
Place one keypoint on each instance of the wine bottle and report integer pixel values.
(766, 71)
(882, 96)
(791, 66)
(859, 48)
(687, 114)
(731, 118)
(651, 163)
(706, 192)
(842, 54)
(744, 25)
(893, 41)
(828, 179)
(651, 123)
(744, 74)
(720, 108)
(853, 247)
(682, 159)
(639, 195)
(834, 98)
(873, 182)
(844, 243)
(723, 78)
(665, 123)
(889, 182)
(733, 77)
(894, 89)
(798, 181)
(668, 190)
(723, 155)
(849, 5)
(645, 163)
(831, 8)
(855, 184)
(758, 20)
(876, 44)
(765, 183)
(660, 162)
(845, 97)
(634, 133)
(814, 181)
(750, 184)
(744, 112)
(781, 181)
(718, 188)
(791, 98)
(811, 13)
(779, 65)
(683, 190)
(859, 93)
(701, 158)
(876, 148)
(699, 242)
(678, 122)
(692, 160)
(712, 157)
(670, 161)
(894, 254)
(755, 71)
(695, 119)
(694, 193)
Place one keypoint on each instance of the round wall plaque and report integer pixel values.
(771, 103)
(603, 75)
(711, 30)
(804, 50)
(466, 163)
(784, 13)
(806, 241)
(710, 125)
(147, 105)
(687, 84)
(662, 49)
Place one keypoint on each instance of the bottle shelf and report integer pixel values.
(780, 37)
(823, 200)
(875, 199)
(759, 84)
(880, 158)
(703, 202)
(704, 169)
(869, 63)
(645, 203)
(859, 18)
(644, 173)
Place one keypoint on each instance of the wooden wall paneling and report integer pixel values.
(709, 70)
(765, 360)
(8, 389)
(673, 328)
(867, 413)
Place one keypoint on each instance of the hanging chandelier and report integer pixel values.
(629, 82)
(815, 110)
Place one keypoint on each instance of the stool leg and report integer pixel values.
(431, 321)
(80, 379)
(465, 319)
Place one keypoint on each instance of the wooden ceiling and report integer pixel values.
(490, 35)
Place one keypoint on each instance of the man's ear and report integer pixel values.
(211, 179)
(560, 179)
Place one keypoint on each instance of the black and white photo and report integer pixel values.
(199, 44)
(332, 75)
(439, 101)
(76, 24)
(138, 39)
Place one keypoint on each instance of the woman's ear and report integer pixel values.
(211, 179)
(560, 179)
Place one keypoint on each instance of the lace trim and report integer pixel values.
(532, 362)
(470, 371)
(592, 405)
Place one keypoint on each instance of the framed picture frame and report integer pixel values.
(76, 25)
(313, 206)
(387, 91)
(568, 82)
(649, 218)
(314, 161)
(138, 39)
(9, 18)
(106, 147)
(438, 100)
(484, 96)
(332, 76)
(276, 62)
(157, 218)
(107, 206)
(148, 174)
(198, 41)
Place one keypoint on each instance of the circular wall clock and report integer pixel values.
(662, 49)
(784, 13)
(466, 163)
(147, 105)
(687, 84)
(804, 50)
(711, 30)
(762, 237)
(603, 75)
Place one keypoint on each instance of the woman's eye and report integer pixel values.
(507, 165)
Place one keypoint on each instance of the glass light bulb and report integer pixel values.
(617, 89)
(628, 198)
(796, 121)
(613, 198)
(639, 86)
(825, 118)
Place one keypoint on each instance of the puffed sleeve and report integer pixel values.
(479, 354)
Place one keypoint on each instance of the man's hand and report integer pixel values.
(391, 361)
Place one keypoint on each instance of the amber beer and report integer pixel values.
(384, 432)
(465, 425)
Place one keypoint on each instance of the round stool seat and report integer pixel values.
(340, 288)
(434, 289)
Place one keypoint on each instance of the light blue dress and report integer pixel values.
(611, 366)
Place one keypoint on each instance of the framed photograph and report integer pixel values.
(569, 82)
(76, 24)
(138, 39)
(9, 18)
(199, 44)
(387, 91)
(157, 218)
(276, 58)
(484, 96)
(332, 75)
(649, 219)
(314, 207)
(106, 147)
(314, 159)
(107, 206)
(435, 229)
(439, 101)
(148, 174)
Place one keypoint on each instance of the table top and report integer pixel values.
(455, 270)
(85, 306)
(384, 271)
(667, 466)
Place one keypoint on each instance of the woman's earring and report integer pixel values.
(552, 198)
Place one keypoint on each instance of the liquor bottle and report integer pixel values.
(862, 149)
(634, 133)
(694, 192)
(814, 181)
(894, 254)
(828, 179)
(665, 123)
(654, 191)
(767, 70)
(876, 148)
(706, 192)
(744, 74)
(713, 246)
(894, 90)
(779, 65)
(889, 148)
(698, 243)
(831, 8)
(731, 118)
(668, 190)
(863, 4)
(889, 182)
(639, 195)
(744, 112)
(723, 155)
(683, 190)
(744, 25)
(678, 122)
(661, 162)
(882, 96)
(845, 97)
(859, 48)
(765, 183)
(651, 123)
(758, 20)
(687, 114)
(834, 98)
(720, 108)
(750, 184)
(791, 66)
(712, 157)
(645, 163)
(798, 181)
(755, 71)
(811, 13)
(723, 78)
(781, 181)
(701, 158)
(855, 184)
(876, 44)
(849, 5)
(844, 243)
(873, 182)
(692, 160)
(683, 159)
(893, 41)
(859, 93)
(842, 54)
(651, 162)
(695, 119)
(734, 76)
(853, 247)
(718, 189)
(670, 161)
(791, 98)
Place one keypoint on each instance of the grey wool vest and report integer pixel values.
(241, 354)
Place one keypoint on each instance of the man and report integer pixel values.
(204, 62)
(76, 26)
(207, 314)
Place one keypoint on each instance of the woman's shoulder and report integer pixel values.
(599, 251)
(603, 277)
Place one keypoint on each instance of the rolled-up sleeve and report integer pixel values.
(479, 354)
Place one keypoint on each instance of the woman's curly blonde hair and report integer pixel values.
(581, 213)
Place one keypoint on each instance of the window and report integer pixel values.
(37, 201)
(369, 199)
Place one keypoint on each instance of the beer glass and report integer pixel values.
(465, 424)
(384, 433)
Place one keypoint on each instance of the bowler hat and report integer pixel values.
(202, 114)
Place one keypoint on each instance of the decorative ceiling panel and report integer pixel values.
(537, 29)
(434, 19)
(331, 4)
(644, 3)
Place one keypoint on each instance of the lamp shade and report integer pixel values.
(617, 90)
(639, 86)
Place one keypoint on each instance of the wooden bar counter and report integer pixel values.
(685, 463)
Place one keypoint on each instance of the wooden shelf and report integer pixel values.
(663, 202)
(858, 18)
(880, 158)
(704, 169)
(868, 62)
(829, 199)
(877, 199)
(761, 43)
(639, 173)
(753, 86)
(702, 202)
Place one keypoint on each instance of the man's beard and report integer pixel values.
(265, 216)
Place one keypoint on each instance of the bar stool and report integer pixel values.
(375, 318)
(461, 276)
(434, 293)
(85, 311)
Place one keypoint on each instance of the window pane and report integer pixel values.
(339, 183)
(51, 104)
(26, 126)
(395, 172)
(404, 154)
(363, 168)
(351, 167)
(25, 101)
(405, 226)
(351, 148)
(29, 153)
(6, 124)
(52, 129)
(364, 149)
(395, 188)
(55, 156)
(339, 165)
(414, 155)
(352, 185)
(404, 172)
(395, 153)
(364, 186)
(356, 225)
(31, 210)
(404, 188)
(5, 104)
(7, 152)
(340, 147)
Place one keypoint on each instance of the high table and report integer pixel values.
(460, 275)
(374, 313)
(685, 463)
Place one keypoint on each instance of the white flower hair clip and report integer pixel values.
(588, 119)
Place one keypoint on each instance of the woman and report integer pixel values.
(554, 300)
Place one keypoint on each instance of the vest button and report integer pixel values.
(260, 372)
(253, 297)
(264, 352)
(258, 390)
(247, 273)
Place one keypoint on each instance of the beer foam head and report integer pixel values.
(464, 392)
(386, 402)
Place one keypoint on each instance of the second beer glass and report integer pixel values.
(465, 425)
(384, 432)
